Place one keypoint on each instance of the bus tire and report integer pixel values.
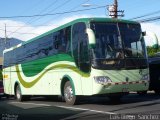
(18, 94)
(157, 91)
(69, 96)
(115, 98)
(142, 92)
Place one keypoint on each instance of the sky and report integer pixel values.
(25, 28)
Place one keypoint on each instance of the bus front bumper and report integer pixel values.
(123, 87)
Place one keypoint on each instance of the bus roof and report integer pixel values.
(71, 23)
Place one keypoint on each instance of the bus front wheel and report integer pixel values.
(157, 91)
(142, 92)
(69, 96)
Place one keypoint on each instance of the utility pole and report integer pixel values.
(113, 10)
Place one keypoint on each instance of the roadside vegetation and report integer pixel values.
(152, 51)
(0, 74)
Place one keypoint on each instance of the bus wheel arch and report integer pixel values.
(64, 80)
(18, 93)
(68, 90)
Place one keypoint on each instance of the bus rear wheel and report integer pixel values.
(18, 94)
(69, 96)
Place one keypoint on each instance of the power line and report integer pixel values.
(61, 5)
(42, 11)
(46, 8)
(152, 19)
(62, 14)
(51, 14)
(19, 32)
(33, 6)
(145, 15)
(41, 25)
(49, 6)
(31, 26)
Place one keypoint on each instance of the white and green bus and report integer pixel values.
(85, 57)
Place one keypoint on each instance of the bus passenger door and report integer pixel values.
(7, 80)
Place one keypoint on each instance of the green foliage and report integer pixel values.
(1, 75)
(151, 51)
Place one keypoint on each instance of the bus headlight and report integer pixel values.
(102, 79)
(145, 77)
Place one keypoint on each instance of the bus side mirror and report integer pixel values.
(91, 37)
(144, 33)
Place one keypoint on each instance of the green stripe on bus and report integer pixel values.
(33, 68)
(60, 66)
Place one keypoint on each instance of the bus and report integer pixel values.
(85, 57)
(153, 51)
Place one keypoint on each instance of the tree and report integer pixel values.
(151, 51)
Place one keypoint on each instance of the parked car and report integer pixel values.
(1, 89)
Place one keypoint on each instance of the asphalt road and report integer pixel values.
(130, 107)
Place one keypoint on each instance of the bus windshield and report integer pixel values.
(106, 40)
(132, 39)
(120, 43)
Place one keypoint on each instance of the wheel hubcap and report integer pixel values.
(68, 93)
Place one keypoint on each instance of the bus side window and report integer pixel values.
(56, 42)
(80, 47)
(68, 37)
(62, 41)
(64, 38)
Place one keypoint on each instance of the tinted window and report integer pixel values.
(80, 46)
(132, 39)
(62, 40)
(54, 43)
(107, 43)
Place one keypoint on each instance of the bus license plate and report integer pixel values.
(125, 90)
